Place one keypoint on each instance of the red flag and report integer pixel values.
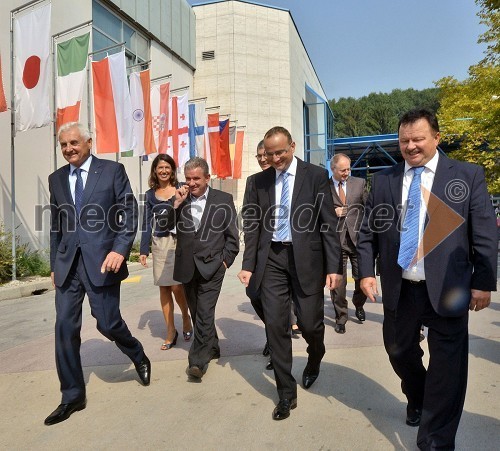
(224, 157)
(3, 102)
(160, 96)
(238, 154)
(213, 137)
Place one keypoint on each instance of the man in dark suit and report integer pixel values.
(253, 293)
(93, 225)
(291, 249)
(349, 196)
(207, 244)
(438, 260)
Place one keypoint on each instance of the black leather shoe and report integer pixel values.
(309, 376)
(269, 365)
(64, 411)
(360, 313)
(143, 369)
(265, 351)
(215, 355)
(413, 416)
(282, 410)
(340, 328)
(195, 371)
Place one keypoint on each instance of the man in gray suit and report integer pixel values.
(93, 226)
(349, 195)
(207, 244)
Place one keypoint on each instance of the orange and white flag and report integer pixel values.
(3, 102)
(114, 130)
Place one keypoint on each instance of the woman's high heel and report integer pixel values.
(166, 346)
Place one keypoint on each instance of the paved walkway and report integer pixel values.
(356, 404)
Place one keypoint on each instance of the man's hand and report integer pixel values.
(244, 277)
(341, 211)
(369, 287)
(479, 299)
(112, 262)
(181, 194)
(52, 278)
(142, 260)
(333, 281)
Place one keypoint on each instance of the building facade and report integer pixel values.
(246, 58)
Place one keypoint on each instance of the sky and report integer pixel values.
(363, 46)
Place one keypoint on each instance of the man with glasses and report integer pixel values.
(292, 250)
(253, 293)
(349, 195)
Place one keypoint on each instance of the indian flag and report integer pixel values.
(140, 93)
(114, 130)
(71, 73)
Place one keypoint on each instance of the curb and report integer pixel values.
(42, 286)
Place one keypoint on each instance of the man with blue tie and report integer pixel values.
(292, 249)
(431, 222)
(93, 226)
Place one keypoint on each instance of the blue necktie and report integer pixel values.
(409, 235)
(283, 223)
(78, 190)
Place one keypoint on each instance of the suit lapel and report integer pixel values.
(95, 171)
(64, 181)
(445, 172)
(396, 186)
(335, 196)
(299, 180)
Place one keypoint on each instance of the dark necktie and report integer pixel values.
(78, 190)
(409, 235)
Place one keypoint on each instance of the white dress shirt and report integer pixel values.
(198, 207)
(278, 185)
(344, 186)
(417, 272)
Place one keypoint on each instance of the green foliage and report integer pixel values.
(470, 109)
(28, 262)
(377, 114)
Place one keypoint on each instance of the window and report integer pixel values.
(108, 29)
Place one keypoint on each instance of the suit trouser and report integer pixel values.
(105, 308)
(202, 296)
(338, 295)
(280, 284)
(440, 390)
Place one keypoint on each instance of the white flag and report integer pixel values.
(31, 53)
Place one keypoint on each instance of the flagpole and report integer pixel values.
(12, 153)
(163, 77)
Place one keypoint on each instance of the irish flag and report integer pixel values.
(140, 94)
(32, 77)
(71, 73)
(114, 130)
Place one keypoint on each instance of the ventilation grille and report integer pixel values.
(209, 55)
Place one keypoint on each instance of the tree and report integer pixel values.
(470, 109)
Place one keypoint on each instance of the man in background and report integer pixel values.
(349, 196)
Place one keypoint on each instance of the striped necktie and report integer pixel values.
(409, 235)
(283, 228)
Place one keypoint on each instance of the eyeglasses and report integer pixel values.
(260, 156)
(278, 153)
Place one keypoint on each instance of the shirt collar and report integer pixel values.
(85, 166)
(202, 197)
(431, 164)
(292, 169)
(336, 182)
